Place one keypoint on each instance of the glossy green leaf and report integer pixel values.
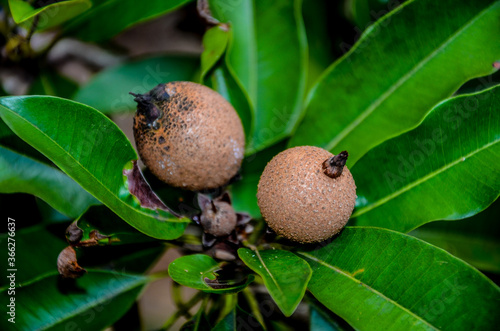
(238, 319)
(475, 240)
(446, 168)
(37, 248)
(366, 12)
(215, 42)
(9, 140)
(399, 69)
(92, 302)
(97, 25)
(317, 19)
(285, 275)
(195, 270)
(90, 149)
(268, 56)
(23, 174)
(109, 90)
(48, 16)
(370, 275)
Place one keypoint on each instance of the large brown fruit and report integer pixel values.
(188, 135)
(300, 196)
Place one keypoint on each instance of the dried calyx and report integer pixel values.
(67, 265)
(224, 229)
(333, 166)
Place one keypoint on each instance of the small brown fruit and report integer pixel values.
(188, 135)
(306, 194)
(218, 217)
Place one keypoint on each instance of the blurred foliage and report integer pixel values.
(380, 78)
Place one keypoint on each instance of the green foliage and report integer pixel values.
(416, 171)
(284, 274)
(108, 18)
(93, 302)
(274, 83)
(386, 84)
(51, 15)
(23, 174)
(366, 271)
(417, 155)
(475, 239)
(198, 270)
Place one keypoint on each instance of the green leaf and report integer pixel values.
(49, 82)
(475, 240)
(23, 174)
(92, 302)
(215, 42)
(48, 16)
(269, 62)
(90, 149)
(285, 275)
(366, 12)
(9, 140)
(238, 319)
(397, 71)
(317, 19)
(97, 25)
(195, 270)
(370, 275)
(37, 248)
(444, 169)
(109, 90)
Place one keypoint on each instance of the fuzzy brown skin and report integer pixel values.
(299, 201)
(189, 136)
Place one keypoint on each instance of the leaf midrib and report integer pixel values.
(340, 271)
(120, 202)
(419, 181)
(270, 274)
(376, 103)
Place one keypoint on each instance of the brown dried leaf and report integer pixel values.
(138, 186)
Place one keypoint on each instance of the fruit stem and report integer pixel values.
(333, 166)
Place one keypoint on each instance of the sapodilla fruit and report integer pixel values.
(188, 135)
(306, 194)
